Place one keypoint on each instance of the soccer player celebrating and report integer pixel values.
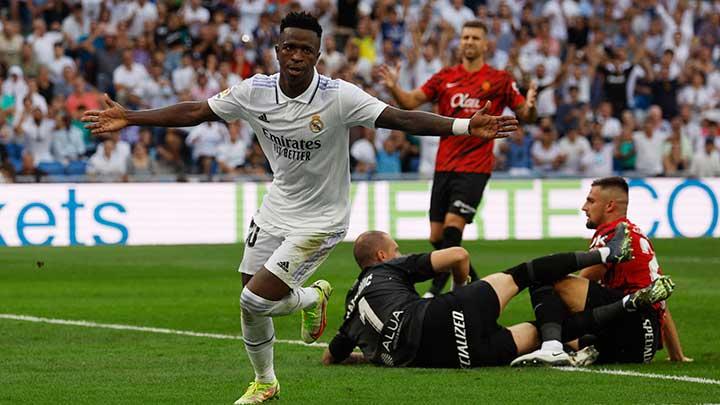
(634, 334)
(463, 166)
(386, 318)
(301, 119)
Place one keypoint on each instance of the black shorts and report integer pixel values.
(632, 338)
(459, 193)
(460, 330)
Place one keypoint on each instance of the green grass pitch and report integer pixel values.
(196, 288)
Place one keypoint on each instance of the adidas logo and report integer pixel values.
(283, 265)
(263, 117)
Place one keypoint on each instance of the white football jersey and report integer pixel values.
(306, 142)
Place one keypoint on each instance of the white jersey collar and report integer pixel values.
(306, 97)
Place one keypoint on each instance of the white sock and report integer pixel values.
(604, 253)
(299, 298)
(259, 335)
(552, 345)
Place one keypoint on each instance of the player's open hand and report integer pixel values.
(490, 126)
(113, 117)
(531, 96)
(388, 75)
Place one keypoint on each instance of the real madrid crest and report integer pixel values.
(316, 124)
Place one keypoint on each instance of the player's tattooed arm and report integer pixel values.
(114, 117)
(424, 123)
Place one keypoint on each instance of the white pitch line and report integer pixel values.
(88, 324)
(683, 378)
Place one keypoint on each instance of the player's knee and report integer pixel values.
(254, 304)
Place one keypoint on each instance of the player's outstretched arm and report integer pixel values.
(480, 125)
(406, 99)
(671, 340)
(352, 358)
(114, 117)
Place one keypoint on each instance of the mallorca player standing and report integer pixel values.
(463, 166)
(301, 120)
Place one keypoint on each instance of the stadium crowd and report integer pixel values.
(630, 87)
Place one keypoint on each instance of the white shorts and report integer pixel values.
(292, 257)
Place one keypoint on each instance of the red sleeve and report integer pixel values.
(432, 86)
(514, 97)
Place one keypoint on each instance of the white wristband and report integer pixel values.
(461, 126)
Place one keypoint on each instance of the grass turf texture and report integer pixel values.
(196, 288)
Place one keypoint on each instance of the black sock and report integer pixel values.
(452, 236)
(549, 312)
(437, 245)
(587, 259)
(473, 274)
(548, 269)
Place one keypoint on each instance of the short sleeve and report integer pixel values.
(514, 98)
(358, 107)
(230, 103)
(341, 346)
(417, 266)
(432, 86)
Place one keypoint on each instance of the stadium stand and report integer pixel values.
(628, 87)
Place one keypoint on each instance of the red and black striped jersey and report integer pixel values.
(460, 94)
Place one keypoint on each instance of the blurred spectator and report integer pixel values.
(195, 15)
(706, 162)
(573, 148)
(331, 56)
(36, 132)
(140, 162)
(677, 151)
(75, 25)
(610, 125)
(82, 95)
(517, 150)
(649, 148)
(45, 87)
(233, 153)
(107, 161)
(697, 94)
(107, 58)
(598, 162)
(43, 41)
(171, 154)
(67, 141)
(546, 154)
(203, 89)
(455, 13)
(363, 151)
(15, 86)
(428, 152)
(389, 157)
(184, 77)
(11, 43)
(204, 140)
(58, 62)
(128, 79)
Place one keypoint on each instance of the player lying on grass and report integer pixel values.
(632, 336)
(392, 325)
(301, 120)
